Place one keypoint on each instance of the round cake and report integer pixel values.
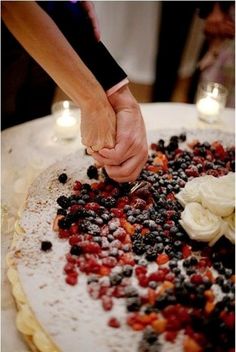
(101, 266)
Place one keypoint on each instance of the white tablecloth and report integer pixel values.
(29, 148)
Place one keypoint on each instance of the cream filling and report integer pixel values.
(26, 322)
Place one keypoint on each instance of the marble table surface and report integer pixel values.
(29, 148)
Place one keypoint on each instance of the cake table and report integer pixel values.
(29, 148)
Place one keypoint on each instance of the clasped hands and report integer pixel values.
(117, 134)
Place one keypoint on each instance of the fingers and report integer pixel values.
(129, 170)
(102, 160)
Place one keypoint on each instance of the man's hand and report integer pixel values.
(125, 162)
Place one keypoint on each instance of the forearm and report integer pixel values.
(41, 38)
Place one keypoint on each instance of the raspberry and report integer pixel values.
(72, 279)
(113, 323)
(107, 303)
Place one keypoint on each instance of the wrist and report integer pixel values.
(123, 99)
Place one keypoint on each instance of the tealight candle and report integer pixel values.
(211, 99)
(66, 117)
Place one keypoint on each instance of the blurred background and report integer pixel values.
(165, 47)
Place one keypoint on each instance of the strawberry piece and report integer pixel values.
(186, 251)
(162, 258)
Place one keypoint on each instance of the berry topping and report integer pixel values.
(46, 246)
(92, 172)
(62, 178)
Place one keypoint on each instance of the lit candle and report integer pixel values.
(210, 101)
(208, 106)
(66, 121)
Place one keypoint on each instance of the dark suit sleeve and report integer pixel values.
(74, 23)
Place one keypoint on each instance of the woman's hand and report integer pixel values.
(125, 162)
(98, 125)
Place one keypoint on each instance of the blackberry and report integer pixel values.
(138, 247)
(61, 211)
(108, 202)
(46, 246)
(161, 302)
(62, 178)
(92, 172)
(151, 254)
(86, 188)
(193, 261)
(150, 239)
(63, 201)
(64, 224)
(76, 250)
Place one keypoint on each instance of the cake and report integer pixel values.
(100, 266)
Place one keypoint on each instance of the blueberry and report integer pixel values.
(228, 272)
(150, 336)
(187, 263)
(46, 246)
(133, 304)
(182, 137)
(131, 291)
(159, 247)
(127, 270)
(173, 264)
(177, 244)
(115, 279)
(152, 284)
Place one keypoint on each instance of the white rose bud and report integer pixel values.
(230, 227)
(218, 195)
(200, 223)
(190, 193)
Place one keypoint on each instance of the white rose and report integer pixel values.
(218, 195)
(230, 227)
(200, 223)
(190, 193)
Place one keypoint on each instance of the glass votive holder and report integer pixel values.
(210, 101)
(66, 120)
